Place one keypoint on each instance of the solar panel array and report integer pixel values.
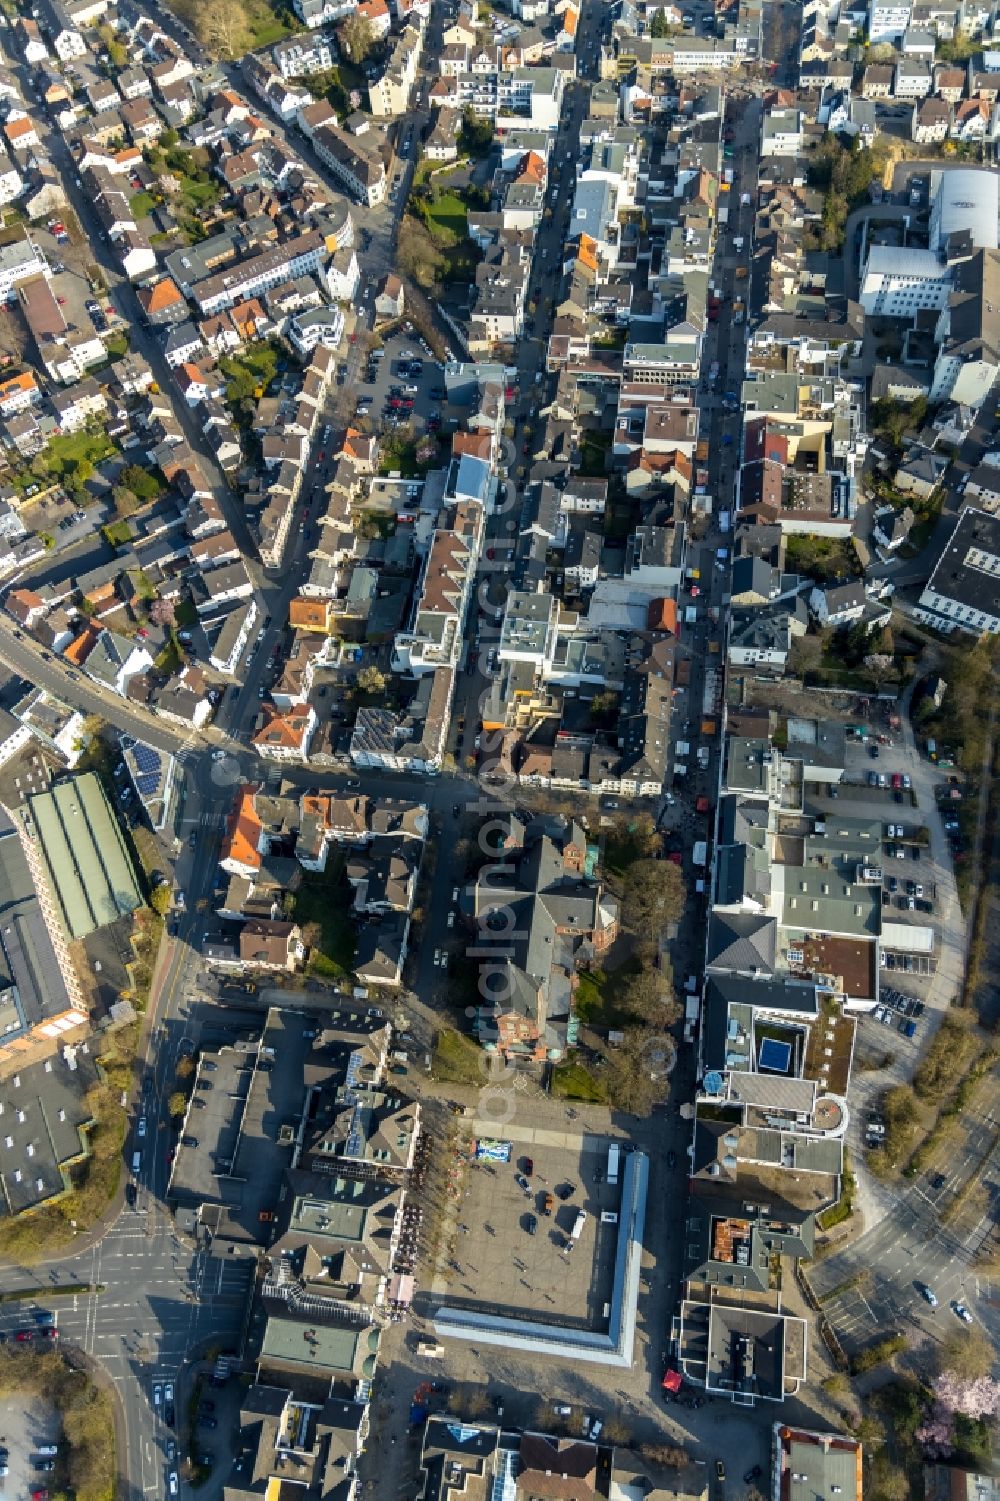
(147, 762)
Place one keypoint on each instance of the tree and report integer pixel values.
(161, 898)
(220, 25)
(871, 1432)
(652, 896)
(126, 501)
(888, 1482)
(671, 1456)
(476, 136)
(142, 484)
(185, 1066)
(878, 667)
(83, 470)
(661, 26)
(163, 612)
(649, 997)
(357, 37)
(370, 680)
(632, 839)
(117, 53)
(418, 255)
(966, 1354)
(604, 705)
(177, 1103)
(637, 1070)
(617, 1429)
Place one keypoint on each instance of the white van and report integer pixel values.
(136, 1161)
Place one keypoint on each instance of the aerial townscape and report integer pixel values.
(499, 750)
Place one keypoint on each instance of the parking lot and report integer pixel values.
(512, 1254)
(382, 381)
(26, 1423)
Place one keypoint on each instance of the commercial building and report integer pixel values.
(40, 999)
(88, 867)
(963, 592)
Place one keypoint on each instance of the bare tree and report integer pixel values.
(357, 37)
(649, 997)
(652, 895)
(220, 25)
(966, 1353)
(672, 1456)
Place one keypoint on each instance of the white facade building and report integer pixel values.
(899, 282)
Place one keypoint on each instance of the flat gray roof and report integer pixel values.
(537, 1337)
(89, 870)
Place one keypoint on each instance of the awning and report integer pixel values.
(401, 1289)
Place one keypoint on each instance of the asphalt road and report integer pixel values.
(911, 1248)
(162, 1300)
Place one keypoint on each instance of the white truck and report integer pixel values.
(699, 854)
(578, 1224)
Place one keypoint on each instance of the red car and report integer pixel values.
(41, 1494)
(322, 454)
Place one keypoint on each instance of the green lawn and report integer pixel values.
(168, 661)
(571, 1081)
(269, 31)
(117, 533)
(401, 454)
(141, 204)
(199, 195)
(68, 450)
(268, 22)
(323, 901)
(450, 214)
(457, 1059)
(251, 371)
(825, 559)
(596, 1001)
(590, 996)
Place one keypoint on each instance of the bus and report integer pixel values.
(614, 1158)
